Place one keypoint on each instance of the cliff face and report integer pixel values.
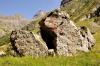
(9, 23)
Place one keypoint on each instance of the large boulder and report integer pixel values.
(27, 43)
(61, 34)
(60, 37)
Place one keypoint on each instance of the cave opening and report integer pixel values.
(50, 38)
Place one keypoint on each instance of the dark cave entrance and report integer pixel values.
(50, 38)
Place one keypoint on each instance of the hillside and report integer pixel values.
(9, 23)
(79, 9)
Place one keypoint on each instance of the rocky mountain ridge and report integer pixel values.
(9, 23)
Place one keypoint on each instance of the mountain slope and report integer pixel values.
(9, 23)
(78, 9)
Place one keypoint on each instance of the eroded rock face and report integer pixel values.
(61, 34)
(87, 39)
(60, 37)
(26, 43)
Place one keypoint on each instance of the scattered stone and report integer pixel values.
(2, 54)
(51, 52)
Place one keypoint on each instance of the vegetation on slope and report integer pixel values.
(80, 8)
(5, 39)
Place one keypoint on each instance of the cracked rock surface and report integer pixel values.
(26, 43)
(61, 34)
(58, 33)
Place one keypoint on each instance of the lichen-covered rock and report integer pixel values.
(27, 43)
(86, 38)
(60, 37)
(61, 34)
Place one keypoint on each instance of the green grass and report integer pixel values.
(85, 59)
(88, 23)
(97, 45)
(85, 23)
(5, 39)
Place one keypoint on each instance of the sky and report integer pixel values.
(26, 8)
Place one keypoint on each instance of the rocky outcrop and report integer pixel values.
(87, 39)
(60, 37)
(61, 34)
(26, 43)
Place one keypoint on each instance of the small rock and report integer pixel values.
(2, 54)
